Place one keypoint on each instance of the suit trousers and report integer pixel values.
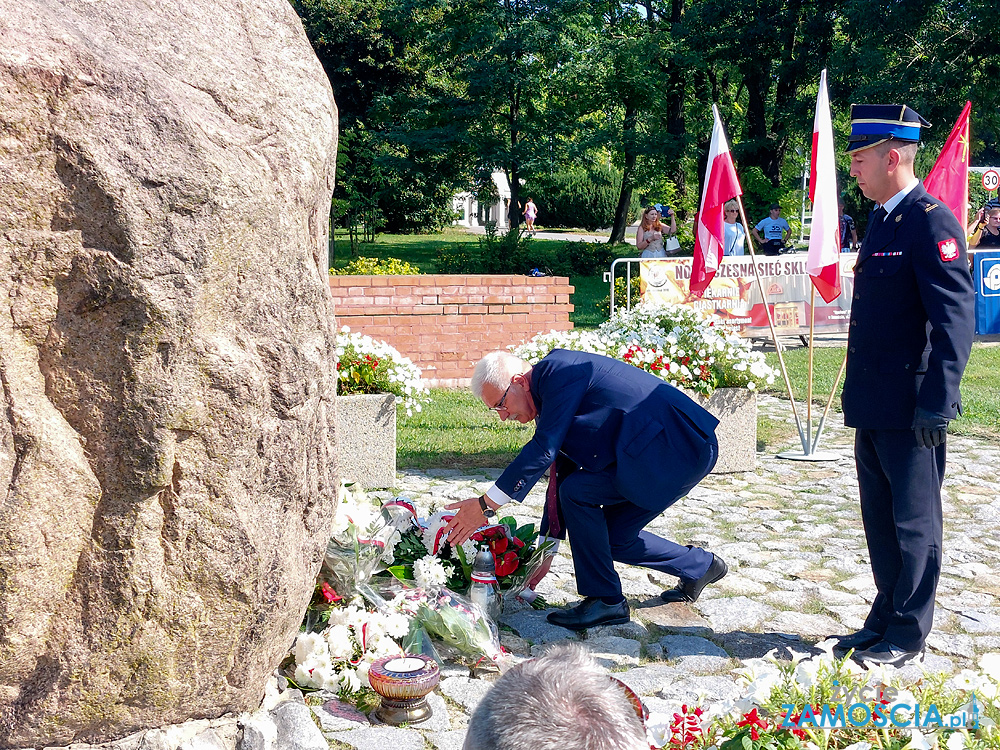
(604, 527)
(900, 487)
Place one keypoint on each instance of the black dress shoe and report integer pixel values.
(862, 639)
(590, 613)
(688, 590)
(887, 653)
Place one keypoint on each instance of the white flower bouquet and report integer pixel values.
(338, 658)
(366, 365)
(680, 345)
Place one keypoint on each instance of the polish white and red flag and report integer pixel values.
(721, 185)
(823, 261)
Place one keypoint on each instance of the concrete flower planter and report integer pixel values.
(366, 439)
(736, 410)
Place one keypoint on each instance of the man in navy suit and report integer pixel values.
(629, 446)
(909, 340)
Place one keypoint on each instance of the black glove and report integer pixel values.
(929, 428)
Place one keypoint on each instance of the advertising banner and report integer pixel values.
(734, 296)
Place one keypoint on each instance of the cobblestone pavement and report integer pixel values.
(792, 536)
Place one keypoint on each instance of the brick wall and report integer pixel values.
(446, 323)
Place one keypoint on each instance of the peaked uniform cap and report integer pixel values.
(872, 124)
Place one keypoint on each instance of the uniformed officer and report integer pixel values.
(912, 323)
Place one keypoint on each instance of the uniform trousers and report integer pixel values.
(900, 487)
(604, 527)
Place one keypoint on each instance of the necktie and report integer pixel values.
(879, 215)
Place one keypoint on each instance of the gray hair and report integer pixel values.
(558, 701)
(496, 368)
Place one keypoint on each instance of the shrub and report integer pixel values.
(516, 252)
(377, 267)
(621, 290)
(583, 197)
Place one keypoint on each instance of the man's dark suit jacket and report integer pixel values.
(606, 415)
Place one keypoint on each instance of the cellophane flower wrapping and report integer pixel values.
(362, 543)
(447, 617)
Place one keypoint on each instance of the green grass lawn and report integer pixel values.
(980, 385)
(455, 430)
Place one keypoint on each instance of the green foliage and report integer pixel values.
(516, 253)
(621, 296)
(377, 267)
(577, 196)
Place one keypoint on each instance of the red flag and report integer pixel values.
(948, 180)
(823, 261)
(721, 185)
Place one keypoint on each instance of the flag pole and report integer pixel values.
(809, 391)
(829, 402)
(770, 321)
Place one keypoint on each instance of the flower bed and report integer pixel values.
(822, 703)
(372, 377)
(366, 365)
(677, 344)
(687, 349)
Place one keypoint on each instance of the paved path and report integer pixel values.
(792, 536)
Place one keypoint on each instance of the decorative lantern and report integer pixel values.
(403, 683)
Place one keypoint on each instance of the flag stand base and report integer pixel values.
(802, 456)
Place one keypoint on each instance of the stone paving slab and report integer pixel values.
(792, 536)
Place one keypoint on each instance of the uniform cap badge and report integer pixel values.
(948, 249)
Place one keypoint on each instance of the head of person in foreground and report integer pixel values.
(560, 700)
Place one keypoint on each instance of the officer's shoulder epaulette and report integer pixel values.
(929, 207)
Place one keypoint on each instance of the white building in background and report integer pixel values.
(471, 214)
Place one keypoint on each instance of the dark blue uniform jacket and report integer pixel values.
(912, 317)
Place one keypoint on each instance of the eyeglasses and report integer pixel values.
(731, 211)
(503, 399)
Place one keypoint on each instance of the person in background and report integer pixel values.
(776, 231)
(561, 700)
(910, 336)
(848, 232)
(987, 231)
(649, 234)
(735, 236)
(530, 212)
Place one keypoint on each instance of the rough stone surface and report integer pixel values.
(166, 358)
(366, 439)
(381, 737)
(296, 729)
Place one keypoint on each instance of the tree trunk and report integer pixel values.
(628, 175)
(676, 81)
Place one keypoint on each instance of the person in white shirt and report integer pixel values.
(735, 236)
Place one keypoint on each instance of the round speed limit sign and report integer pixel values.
(991, 179)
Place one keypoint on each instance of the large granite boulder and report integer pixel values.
(166, 358)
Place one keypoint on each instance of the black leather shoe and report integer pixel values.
(862, 639)
(884, 652)
(690, 589)
(590, 613)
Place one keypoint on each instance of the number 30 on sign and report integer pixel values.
(991, 179)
